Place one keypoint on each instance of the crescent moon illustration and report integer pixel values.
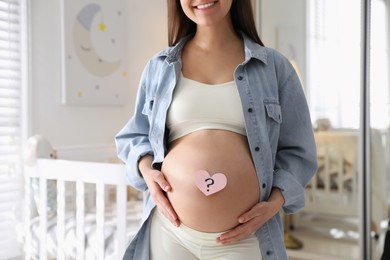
(84, 48)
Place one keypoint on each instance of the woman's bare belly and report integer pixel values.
(216, 151)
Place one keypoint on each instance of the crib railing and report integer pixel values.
(337, 192)
(80, 173)
(334, 190)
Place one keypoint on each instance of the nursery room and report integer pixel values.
(69, 77)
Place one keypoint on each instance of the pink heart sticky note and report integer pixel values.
(210, 184)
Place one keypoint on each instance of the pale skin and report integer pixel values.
(213, 39)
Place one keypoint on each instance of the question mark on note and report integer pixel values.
(209, 184)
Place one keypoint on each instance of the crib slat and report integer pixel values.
(60, 219)
(313, 190)
(354, 182)
(42, 218)
(27, 220)
(340, 175)
(121, 199)
(80, 212)
(100, 194)
(327, 174)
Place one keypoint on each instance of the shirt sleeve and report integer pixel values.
(296, 157)
(132, 141)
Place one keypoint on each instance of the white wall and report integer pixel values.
(69, 126)
(283, 27)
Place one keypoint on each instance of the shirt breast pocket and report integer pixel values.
(273, 121)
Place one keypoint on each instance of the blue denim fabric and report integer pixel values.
(278, 126)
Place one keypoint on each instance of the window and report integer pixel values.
(334, 48)
(380, 64)
(335, 62)
(12, 116)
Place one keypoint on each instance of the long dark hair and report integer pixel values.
(241, 13)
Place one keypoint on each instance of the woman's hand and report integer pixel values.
(157, 185)
(252, 220)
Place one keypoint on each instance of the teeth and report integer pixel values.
(205, 5)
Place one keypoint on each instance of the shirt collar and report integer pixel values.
(252, 50)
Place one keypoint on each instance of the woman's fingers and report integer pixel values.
(166, 208)
(250, 221)
(157, 184)
(162, 182)
(256, 211)
(239, 233)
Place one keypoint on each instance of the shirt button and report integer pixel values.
(257, 148)
(250, 110)
(240, 77)
(264, 185)
(269, 252)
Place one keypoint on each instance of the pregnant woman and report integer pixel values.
(220, 140)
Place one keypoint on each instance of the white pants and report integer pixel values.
(184, 243)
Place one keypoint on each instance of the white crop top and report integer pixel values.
(196, 106)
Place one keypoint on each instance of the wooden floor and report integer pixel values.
(330, 239)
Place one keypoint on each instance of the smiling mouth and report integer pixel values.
(205, 6)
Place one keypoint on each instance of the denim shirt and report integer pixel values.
(278, 128)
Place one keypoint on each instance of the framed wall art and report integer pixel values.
(94, 52)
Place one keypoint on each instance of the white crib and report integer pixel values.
(85, 210)
(334, 189)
